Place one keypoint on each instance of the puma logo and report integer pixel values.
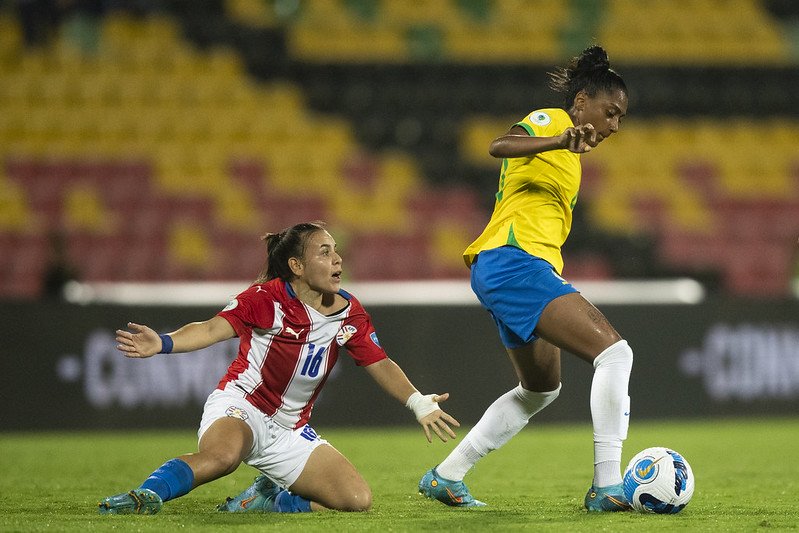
(290, 330)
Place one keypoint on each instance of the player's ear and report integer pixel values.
(296, 266)
(580, 100)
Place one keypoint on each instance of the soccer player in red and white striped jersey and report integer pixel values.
(291, 323)
(288, 348)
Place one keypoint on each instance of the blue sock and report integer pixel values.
(172, 480)
(286, 502)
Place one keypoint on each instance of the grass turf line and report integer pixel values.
(745, 480)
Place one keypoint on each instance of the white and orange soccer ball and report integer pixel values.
(658, 480)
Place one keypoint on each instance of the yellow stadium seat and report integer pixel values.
(189, 246)
(292, 170)
(161, 30)
(365, 211)
(476, 136)
(515, 44)
(84, 210)
(10, 38)
(254, 13)
(689, 213)
(15, 215)
(404, 14)
(325, 14)
(530, 13)
(222, 63)
(728, 32)
(449, 239)
(235, 209)
(614, 213)
(399, 175)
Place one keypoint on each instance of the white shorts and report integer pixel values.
(280, 453)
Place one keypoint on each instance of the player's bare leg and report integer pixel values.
(330, 481)
(537, 366)
(574, 324)
(221, 450)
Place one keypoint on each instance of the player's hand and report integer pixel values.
(439, 422)
(580, 139)
(140, 341)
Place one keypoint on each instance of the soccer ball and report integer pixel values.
(658, 480)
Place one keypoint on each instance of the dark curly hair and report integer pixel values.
(589, 72)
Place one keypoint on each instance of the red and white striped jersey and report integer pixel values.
(287, 349)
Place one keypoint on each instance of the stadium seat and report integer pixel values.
(586, 266)
(15, 214)
(84, 210)
(395, 257)
(701, 32)
(759, 269)
(152, 136)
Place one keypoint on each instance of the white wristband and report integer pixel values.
(421, 405)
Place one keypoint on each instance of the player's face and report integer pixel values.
(321, 264)
(604, 111)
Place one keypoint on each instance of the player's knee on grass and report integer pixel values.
(354, 499)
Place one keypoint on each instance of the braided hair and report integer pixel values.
(589, 72)
(282, 246)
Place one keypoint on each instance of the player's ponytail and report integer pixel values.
(589, 72)
(282, 246)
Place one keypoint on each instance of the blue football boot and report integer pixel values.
(452, 493)
(606, 499)
(137, 501)
(258, 498)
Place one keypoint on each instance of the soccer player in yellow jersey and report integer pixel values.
(515, 271)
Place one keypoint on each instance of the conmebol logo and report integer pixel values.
(746, 362)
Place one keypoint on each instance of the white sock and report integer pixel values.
(502, 420)
(610, 411)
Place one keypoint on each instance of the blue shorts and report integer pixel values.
(515, 287)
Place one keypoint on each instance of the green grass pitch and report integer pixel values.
(746, 480)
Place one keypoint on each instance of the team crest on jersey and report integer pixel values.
(231, 305)
(373, 336)
(236, 412)
(345, 334)
(539, 118)
(308, 433)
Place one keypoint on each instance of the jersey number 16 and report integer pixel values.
(312, 361)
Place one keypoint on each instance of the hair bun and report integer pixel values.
(593, 58)
(590, 71)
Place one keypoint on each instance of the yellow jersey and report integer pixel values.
(536, 196)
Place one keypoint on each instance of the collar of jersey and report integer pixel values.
(289, 289)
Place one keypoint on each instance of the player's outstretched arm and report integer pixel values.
(518, 143)
(393, 380)
(139, 341)
(142, 341)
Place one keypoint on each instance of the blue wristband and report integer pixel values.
(166, 343)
